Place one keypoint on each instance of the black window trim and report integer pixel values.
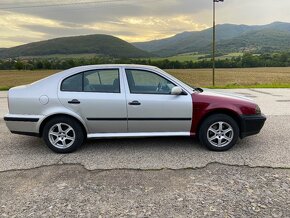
(139, 93)
(83, 75)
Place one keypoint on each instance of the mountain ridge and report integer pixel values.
(201, 41)
(230, 38)
(100, 44)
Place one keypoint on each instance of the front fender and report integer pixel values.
(204, 107)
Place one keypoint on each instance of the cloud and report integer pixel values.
(84, 13)
(127, 28)
(128, 19)
(13, 31)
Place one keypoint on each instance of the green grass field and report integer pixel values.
(194, 57)
(237, 77)
(225, 78)
(229, 56)
(181, 57)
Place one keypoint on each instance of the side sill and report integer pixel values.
(136, 135)
(26, 133)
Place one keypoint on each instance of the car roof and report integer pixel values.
(88, 67)
(72, 71)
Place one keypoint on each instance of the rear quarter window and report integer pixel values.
(73, 83)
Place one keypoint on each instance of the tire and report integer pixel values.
(219, 132)
(63, 134)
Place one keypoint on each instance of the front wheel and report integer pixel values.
(219, 132)
(63, 135)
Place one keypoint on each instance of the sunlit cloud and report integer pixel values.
(131, 29)
(148, 28)
(13, 31)
(130, 20)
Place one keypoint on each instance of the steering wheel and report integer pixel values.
(159, 87)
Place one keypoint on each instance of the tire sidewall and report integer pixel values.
(213, 119)
(79, 135)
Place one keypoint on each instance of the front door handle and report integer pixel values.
(74, 101)
(134, 103)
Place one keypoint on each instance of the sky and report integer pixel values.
(24, 21)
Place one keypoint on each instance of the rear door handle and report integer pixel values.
(134, 103)
(74, 101)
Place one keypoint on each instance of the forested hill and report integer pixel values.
(229, 37)
(103, 45)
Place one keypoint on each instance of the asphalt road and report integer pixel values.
(152, 177)
(271, 148)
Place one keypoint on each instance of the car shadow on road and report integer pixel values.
(33, 145)
(190, 144)
(143, 142)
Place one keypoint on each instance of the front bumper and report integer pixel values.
(251, 124)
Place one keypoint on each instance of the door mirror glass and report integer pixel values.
(176, 90)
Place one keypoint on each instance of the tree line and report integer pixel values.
(244, 61)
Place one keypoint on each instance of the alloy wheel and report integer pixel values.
(220, 134)
(61, 135)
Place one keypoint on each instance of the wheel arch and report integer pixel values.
(228, 112)
(52, 116)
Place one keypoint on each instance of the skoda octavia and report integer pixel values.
(108, 101)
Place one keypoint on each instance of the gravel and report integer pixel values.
(214, 191)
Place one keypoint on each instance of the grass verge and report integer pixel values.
(278, 77)
(257, 86)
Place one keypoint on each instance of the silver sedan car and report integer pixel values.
(105, 101)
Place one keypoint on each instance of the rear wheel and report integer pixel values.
(63, 135)
(219, 132)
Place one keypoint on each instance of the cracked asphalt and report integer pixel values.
(152, 177)
(214, 191)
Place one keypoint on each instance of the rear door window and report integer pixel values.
(102, 81)
(106, 81)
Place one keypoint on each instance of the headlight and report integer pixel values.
(258, 110)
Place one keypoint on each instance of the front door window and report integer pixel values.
(145, 82)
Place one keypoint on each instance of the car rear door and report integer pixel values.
(151, 107)
(98, 96)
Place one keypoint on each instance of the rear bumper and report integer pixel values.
(23, 124)
(251, 124)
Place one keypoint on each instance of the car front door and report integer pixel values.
(152, 107)
(98, 96)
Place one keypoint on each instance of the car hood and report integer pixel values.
(227, 95)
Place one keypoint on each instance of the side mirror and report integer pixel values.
(176, 90)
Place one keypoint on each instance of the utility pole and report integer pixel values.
(213, 43)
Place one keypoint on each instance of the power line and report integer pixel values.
(61, 4)
(23, 2)
(26, 3)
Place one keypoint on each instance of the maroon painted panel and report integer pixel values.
(208, 102)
